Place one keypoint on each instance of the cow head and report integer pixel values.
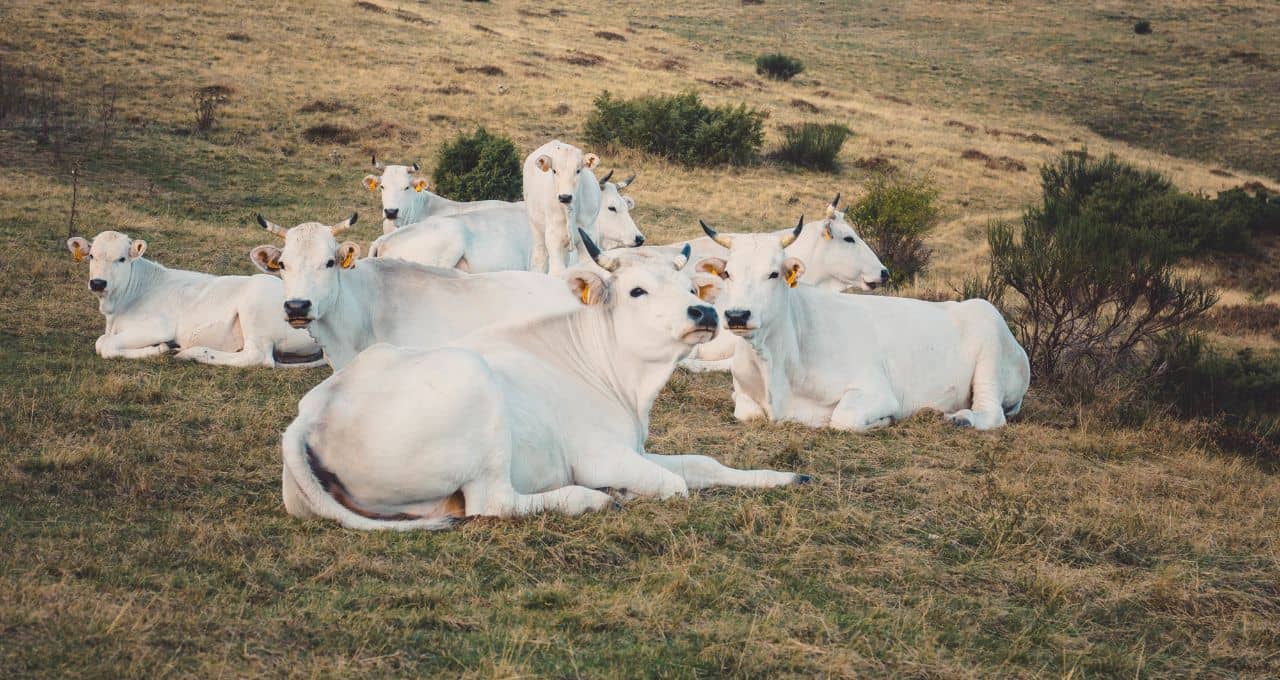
(658, 310)
(617, 229)
(837, 257)
(111, 256)
(758, 276)
(400, 187)
(565, 162)
(308, 264)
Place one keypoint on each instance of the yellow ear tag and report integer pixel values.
(349, 259)
(586, 292)
(420, 185)
(826, 234)
(371, 184)
(77, 253)
(792, 276)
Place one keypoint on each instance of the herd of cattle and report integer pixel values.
(495, 358)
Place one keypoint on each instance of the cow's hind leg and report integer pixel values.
(501, 500)
(700, 472)
(986, 410)
(861, 410)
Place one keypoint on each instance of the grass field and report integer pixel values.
(143, 532)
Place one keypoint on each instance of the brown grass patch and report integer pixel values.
(484, 29)
(330, 133)
(805, 106)
(583, 59)
(562, 109)
(610, 35)
(450, 89)
(1221, 173)
(1033, 137)
(370, 7)
(894, 98)
(488, 70)
(238, 37)
(330, 105)
(963, 126)
(1002, 163)
(731, 83)
(412, 18)
(876, 164)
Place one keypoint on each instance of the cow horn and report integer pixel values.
(605, 179)
(788, 239)
(344, 225)
(272, 226)
(683, 258)
(415, 166)
(594, 251)
(627, 182)
(725, 241)
(376, 164)
(835, 202)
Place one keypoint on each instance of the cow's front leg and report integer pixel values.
(629, 471)
(557, 245)
(745, 408)
(500, 499)
(135, 343)
(861, 410)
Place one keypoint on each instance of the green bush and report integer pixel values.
(1095, 289)
(680, 128)
(813, 145)
(778, 66)
(895, 216)
(479, 167)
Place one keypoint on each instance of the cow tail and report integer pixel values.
(321, 502)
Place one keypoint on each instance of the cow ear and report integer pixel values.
(419, 184)
(792, 269)
(79, 247)
(631, 204)
(266, 258)
(137, 248)
(371, 182)
(713, 265)
(709, 287)
(544, 163)
(587, 286)
(590, 161)
(347, 254)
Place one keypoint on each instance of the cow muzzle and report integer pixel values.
(297, 312)
(705, 324)
(391, 213)
(738, 321)
(98, 285)
(565, 198)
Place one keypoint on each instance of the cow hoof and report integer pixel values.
(804, 479)
(962, 422)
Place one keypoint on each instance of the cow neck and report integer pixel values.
(425, 204)
(143, 275)
(779, 344)
(347, 314)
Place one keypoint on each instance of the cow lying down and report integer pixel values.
(857, 362)
(151, 310)
(513, 420)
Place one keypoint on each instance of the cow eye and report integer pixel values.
(850, 239)
(329, 264)
(120, 260)
(637, 292)
(613, 209)
(408, 187)
(773, 275)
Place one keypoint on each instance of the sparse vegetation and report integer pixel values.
(778, 66)
(477, 167)
(330, 133)
(812, 145)
(1142, 27)
(206, 101)
(895, 216)
(680, 128)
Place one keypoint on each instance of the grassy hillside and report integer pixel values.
(142, 529)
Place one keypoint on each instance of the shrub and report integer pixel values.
(778, 66)
(479, 167)
(813, 145)
(1142, 27)
(1095, 292)
(680, 128)
(894, 217)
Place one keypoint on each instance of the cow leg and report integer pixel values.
(987, 409)
(137, 343)
(501, 500)
(625, 469)
(700, 472)
(860, 410)
(257, 346)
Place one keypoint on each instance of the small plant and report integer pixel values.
(680, 128)
(895, 216)
(813, 145)
(479, 167)
(206, 101)
(778, 66)
(1142, 27)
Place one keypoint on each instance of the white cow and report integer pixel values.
(511, 420)
(349, 304)
(406, 199)
(499, 239)
(856, 362)
(151, 310)
(562, 196)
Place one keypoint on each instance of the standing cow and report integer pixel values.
(513, 420)
(858, 362)
(562, 196)
(151, 310)
(406, 199)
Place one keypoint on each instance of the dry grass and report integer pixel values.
(142, 527)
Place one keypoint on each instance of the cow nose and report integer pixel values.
(97, 285)
(296, 308)
(884, 276)
(566, 198)
(639, 241)
(737, 317)
(702, 315)
(391, 213)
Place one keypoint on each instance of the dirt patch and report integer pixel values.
(964, 126)
(1002, 163)
(561, 109)
(385, 129)
(583, 59)
(238, 37)
(668, 64)
(484, 29)
(876, 164)
(1033, 137)
(804, 106)
(330, 133)
(894, 99)
(327, 106)
(489, 70)
(610, 35)
(370, 7)
(450, 89)
(413, 18)
(1220, 172)
(731, 83)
